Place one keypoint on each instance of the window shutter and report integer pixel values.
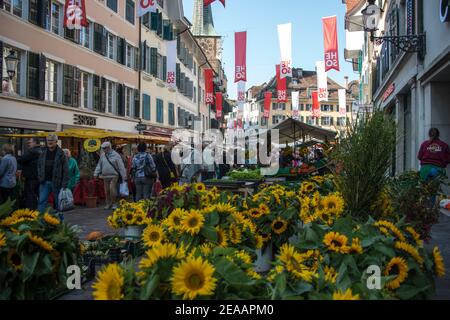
(166, 30)
(120, 100)
(76, 95)
(164, 59)
(124, 51)
(103, 95)
(1, 62)
(154, 20)
(154, 62)
(178, 75)
(146, 107)
(41, 84)
(160, 24)
(143, 55)
(43, 10)
(104, 42)
(136, 59)
(178, 46)
(97, 37)
(137, 104)
(146, 20)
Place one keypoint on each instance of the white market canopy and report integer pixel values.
(291, 130)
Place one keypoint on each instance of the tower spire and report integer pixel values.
(203, 20)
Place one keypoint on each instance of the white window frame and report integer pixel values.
(49, 91)
(82, 36)
(114, 46)
(11, 9)
(89, 91)
(129, 62)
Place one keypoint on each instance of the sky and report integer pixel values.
(260, 19)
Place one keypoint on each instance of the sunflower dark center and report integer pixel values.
(278, 225)
(176, 221)
(195, 281)
(193, 222)
(336, 243)
(16, 260)
(154, 236)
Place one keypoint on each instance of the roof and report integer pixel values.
(291, 130)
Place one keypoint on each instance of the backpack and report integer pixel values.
(148, 171)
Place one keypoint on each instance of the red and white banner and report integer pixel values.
(285, 39)
(240, 47)
(219, 105)
(331, 43)
(342, 93)
(75, 14)
(171, 47)
(315, 105)
(145, 6)
(322, 81)
(267, 103)
(295, 103)
(209, 86)
(240, 99)
(281, 86)
(208, 2)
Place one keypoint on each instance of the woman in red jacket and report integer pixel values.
(434, 156)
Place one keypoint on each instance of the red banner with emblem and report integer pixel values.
(219, 105)
(240, 47)
(208, 2)
(281, 86)
(75, 14)
(267, 103)
(315, 104)
(331, 43)
(209, 86)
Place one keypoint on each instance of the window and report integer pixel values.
(15, 8)
(146, 107)
(111, 94)
(325, 108)
(159, 111)
(342, 121)
(112, 4)
(308, 107)
(100, 39)
(33, 75)
(111, 45)
(85, 90)
(33, 13)
(54, 25)
(160, 74)
(195, 94)
(327, 121)
(121, 47)
(310, 120)
(129, 11)
(71, 86)
(85, 36)
(274, 106)
(277, 119)
(130, 56)
(171, 114)
(129, 102)
(16, 83)
(348, 108)
(51, 81)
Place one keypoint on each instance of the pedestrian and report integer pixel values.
(190, 168)
(111, 169)
(166, 168)
(53, 172)
(143, 172)
(434, 156)
(131, 183)
(74, 172)
(209, 170)
(8, 169)
(28, 163)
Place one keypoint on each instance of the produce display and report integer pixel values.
(242, 175)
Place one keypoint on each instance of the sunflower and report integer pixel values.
(244, 257)
(25, 213)
(192, 278)
(330, 274)
(307, 188)
(347, 295)
(109, 283)
(336, 242)
(206, 248)
(439, 266)
(235, 234)
(265, 237)
(259, 242)
(400, 268)
(293, 262)
(192, 222)
(199, 187)
(128, 218)
(225, 208)
(40, 242)
(255, 213)
(2, 240)
(413, 252)
(222, 239)
(153, 235)
(175, 218)
(253, 274)
(391, 227)
(161, 251)
(415, 236)
(356, 246)
(264, 209)
(51, 220)
(279, 226)
(333, 204)
(14, 259)
(318, 179)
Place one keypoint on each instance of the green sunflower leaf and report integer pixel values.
(149, 288)
(29, 264)
(209, 233)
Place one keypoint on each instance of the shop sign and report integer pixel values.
(91, 145)
(389, 91)
(159, 130)
(445, 11)
(141, 127)
(83, 120)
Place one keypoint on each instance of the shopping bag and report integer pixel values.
(157, 187)
(123, 189)
(65, 200)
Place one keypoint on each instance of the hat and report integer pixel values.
(106, 144)
(52, 137)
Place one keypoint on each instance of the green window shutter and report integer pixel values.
(143, 55)
(171, 114)
(160, 24)
(41, 84)
(154, 61)
(146, 20)
(178, 75)
(137, 104)
(164, 68)
(146, 107)
(120, 100)
(154, 21)
(159, 111)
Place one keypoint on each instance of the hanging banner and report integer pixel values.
(315, 105)
(295, 103)
(145, 6)
(209, 86)
(322, 81)
(208, 2)
(240, 47)
(342, 93)
(285, 39)
(219, 105)
(281, 86)
(267, 103)
(241, 99)
(171, 47)
(75, 14)
(331, 43)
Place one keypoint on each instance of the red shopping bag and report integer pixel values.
(157, 187)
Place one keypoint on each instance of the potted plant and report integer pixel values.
(130, 216)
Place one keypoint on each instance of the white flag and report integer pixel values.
(342, 102)
(171, 79)
(145, 6)
(241, 98)
(322, 81)
(285, 38)
(295, 102)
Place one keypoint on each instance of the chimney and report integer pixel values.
(346, 82)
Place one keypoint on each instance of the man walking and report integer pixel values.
(53, 172)
(111, 169)
(29, 165)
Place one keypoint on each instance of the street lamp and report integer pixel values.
(407, 43)
(11, 64)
